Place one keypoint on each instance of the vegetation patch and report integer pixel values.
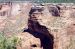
(8, 43)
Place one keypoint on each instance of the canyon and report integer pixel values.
(39, 26)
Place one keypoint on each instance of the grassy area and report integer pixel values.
(8, 43)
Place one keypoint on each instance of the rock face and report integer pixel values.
(56, 20)
(28, 41)
(48, 26)
(15, 13)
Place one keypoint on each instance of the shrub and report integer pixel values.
(8, 43)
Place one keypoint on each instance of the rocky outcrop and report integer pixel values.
(28, 41)
(56, 18)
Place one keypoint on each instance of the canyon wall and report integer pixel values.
(47, 18)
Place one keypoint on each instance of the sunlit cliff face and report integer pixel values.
(4, 9)
(15, 15)
(15, 9)
(4, 13)
(28, 41)
(19, 15)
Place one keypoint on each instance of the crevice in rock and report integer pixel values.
(55, 11)
(33, 45)
(40, 32)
